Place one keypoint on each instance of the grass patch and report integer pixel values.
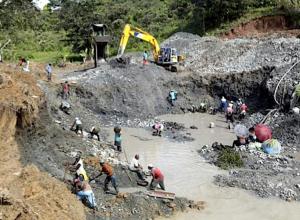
(228, 158)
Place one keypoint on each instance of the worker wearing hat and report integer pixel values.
(157, 177)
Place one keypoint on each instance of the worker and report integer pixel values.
(65, 107)
(223, 105)
(95, 131)
(80, 171)
(229, 116)
(22, 61)
(202, 107)
(26, 68)
(172, 97)
(49, 71)
(158, 127)
(78, 125)
(212, 110)
(243, 110)
(240, 141)
(252, 137)
(77, 166)
(66, 90)
(118, 139)
(239, 102)
(86, 194)
(78, 160)
(136, 167)
(157, 177)
(108, 170)
(145, 57)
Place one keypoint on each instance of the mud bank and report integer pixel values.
(49, 146)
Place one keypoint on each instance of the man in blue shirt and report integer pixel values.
(49, 71)
(172, 97)
(145, 58)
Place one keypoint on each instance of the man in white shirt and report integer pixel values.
(136, 167)
(78, 125)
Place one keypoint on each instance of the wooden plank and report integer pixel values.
(161, 194)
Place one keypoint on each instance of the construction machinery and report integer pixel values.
(165, 56)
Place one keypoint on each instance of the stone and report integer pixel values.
(171, 205)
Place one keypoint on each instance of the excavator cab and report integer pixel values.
(167, 56)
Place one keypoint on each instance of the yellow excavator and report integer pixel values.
(166, 56)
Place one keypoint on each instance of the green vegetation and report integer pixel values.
(228, 159)
(63, 27)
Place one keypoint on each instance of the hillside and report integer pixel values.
(62, 28)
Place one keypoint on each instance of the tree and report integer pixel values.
(76, 18)
(18, 14)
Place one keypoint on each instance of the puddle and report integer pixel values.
(188, 175)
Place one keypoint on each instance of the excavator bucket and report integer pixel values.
(120, 62)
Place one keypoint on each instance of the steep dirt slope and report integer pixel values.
(26, 193)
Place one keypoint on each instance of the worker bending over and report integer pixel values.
(77, 166)
(78, 126)
(85, 194)
(158, 127)
(95, 131)
(110, 177)
(136, 167)
(157, 177)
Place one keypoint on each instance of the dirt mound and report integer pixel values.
(35, 195)
(262, 26)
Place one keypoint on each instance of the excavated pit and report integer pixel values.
(134, 95)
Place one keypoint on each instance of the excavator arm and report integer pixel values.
(138, 33)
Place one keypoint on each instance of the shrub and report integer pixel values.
(228, 158)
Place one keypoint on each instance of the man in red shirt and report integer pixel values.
(66, 90)
(157, 177)
(243, 110)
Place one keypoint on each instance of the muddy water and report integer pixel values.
(187, 174)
